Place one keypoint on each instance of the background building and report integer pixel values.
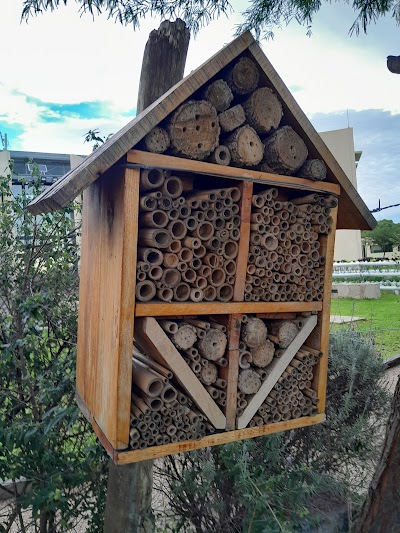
(341, 143)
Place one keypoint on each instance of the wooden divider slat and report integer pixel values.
(246, 188)
(148, 159)
(221, 308)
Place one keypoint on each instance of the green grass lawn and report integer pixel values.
(382, 324)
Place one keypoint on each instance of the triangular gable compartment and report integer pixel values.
(352, 214)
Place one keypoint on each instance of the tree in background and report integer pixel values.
(43, 438)
(386, 234)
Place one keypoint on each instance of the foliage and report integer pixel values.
(290, 481)
(42, 435)
(260, 16)
(194, 13)
(93, 136)
(386, 234)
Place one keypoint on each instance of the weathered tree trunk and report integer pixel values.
(128, 507)
(381, 510)
(163, 61)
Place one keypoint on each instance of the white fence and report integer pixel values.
(385, 272)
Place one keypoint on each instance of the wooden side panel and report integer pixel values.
(212, 440)
(319, 339)
(106, 302)
(353, 213)
(246, 188)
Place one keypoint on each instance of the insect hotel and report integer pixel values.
(207, 249)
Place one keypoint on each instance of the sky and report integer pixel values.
(63, 74)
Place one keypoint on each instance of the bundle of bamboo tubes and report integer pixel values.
(202, 344)
(160, 412)
(188, 240)
(285, 261)
(235, 120)
(293, 396)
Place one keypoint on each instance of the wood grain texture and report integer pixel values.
(221, 308)
(275, 370)
(73, 183)
(106, 297)
(319, 339)
(231, 372)
(246, 188)
(353, 213)
(156, 344)
(212, 440)
(146, 159)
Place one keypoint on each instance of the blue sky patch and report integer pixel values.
(13, 132)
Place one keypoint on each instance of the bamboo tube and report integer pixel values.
(225, 293)
(177, 229)
(191, 223)
(170, 260)
(148, 203)
(156, 238)
(169, 326)
(245, 359)
(221, 362)
(145, 291)
(151, 256)
(165, 203)
(172, 187)
(155, 273)
(154, 219)
(309, 199)
(151, 179)
(168, 394)
(182, 292)
(166, 294)
(210, 293)
(196, 295)
(189, 275)
(140, 404)
(204, 231)
(146, 379)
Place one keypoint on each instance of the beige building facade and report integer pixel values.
(348, 245)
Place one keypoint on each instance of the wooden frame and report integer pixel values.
(95, 363)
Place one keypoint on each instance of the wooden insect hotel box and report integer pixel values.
(207, 250)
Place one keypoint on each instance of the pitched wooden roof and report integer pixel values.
(352, 214)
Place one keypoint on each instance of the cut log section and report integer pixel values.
(245, 147)
(185, 337)
(263, 354)
(194, 129)
(244, 76)
(275, 370)
(313, 169)
(284, 330)
(157, 141)
(284, 151)
(213, 345)
(219, 95)
(254, 332)
(156, 344)
(263, 110)
(232, 118)
(249, 381)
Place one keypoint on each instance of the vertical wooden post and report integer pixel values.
(128, 506)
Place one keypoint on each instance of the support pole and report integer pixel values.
(128, 506)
